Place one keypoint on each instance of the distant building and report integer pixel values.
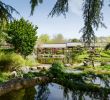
(67, 45)
(61, 50)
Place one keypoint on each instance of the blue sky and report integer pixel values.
(69, 26)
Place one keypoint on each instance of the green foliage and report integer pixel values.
(105, 54)
(91, 13)
(74, 40)
(4, 76)
(103, 63)
(105, 67)
(107, 47)
(44, 38)
(29, 75)
(10, 50)
(5, 61)
(58, 38)
(11, 61)
(61, 7)
(5, 12)
(3, 36)
(77, 51)
(92, 16)
(34, 3)
(48, 60)
(34, 74)
(22, 36)
(56, 69)
(31, 62)
(18, 60)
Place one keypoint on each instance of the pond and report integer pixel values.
(52, 91)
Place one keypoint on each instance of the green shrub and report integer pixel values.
(29, 75)
(56, 69)
(46, 60)
(31, 62)
(7, 50)
(5, 61)
(17, 60)
(104, 54)
(107, 47)
(4, 76)
(22, 35)
(103, 63)
(10, 61)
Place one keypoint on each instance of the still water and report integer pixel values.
(51, 92)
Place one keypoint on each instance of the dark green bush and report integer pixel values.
(103, 63)
(107, 47)
(56, 69)
(11, 61)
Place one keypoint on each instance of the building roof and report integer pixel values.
(74, 44)
(65, 45)
(62, 45)
(53, 45)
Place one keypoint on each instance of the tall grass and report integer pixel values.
(11, 61)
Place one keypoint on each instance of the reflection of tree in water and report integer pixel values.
(75, 87)
(83, 91)
(43, 92)
(29, 94)
(14, 95)
(23, 94)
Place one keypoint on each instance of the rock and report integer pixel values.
(25, 70)
(13, 74)
(33, 68)
(39, 67)
(85, 63)
(68, 65)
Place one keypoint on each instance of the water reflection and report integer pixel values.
(54, 92)
(43, 92)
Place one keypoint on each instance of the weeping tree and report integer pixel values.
(6, 13)
(5, 16)
(93, 18)
(92, 15)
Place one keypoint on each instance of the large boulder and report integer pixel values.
(25, 70)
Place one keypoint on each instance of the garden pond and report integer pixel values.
(53, 91)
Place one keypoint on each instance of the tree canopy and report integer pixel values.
(92, 15)
(58, 38)
(22, 35)
(43, 38)
(6, 12)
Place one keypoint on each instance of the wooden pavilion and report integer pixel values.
(63, 51)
